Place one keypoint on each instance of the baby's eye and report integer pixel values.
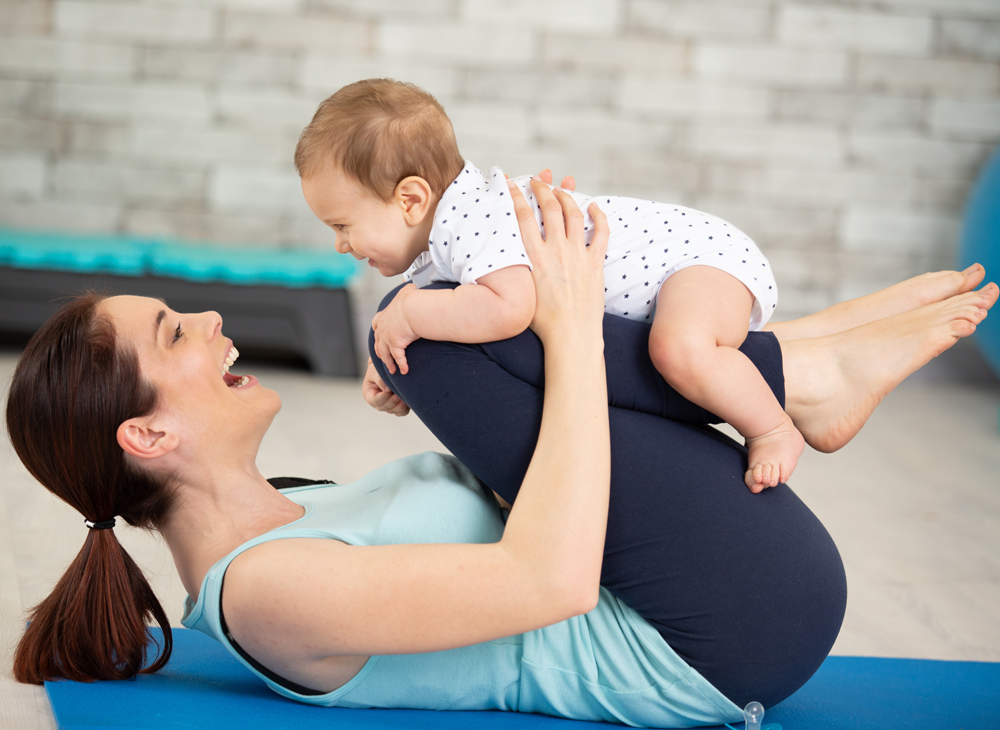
(338, 226)
(177, 333)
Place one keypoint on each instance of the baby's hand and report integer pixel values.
(378, 395)
(393, 333)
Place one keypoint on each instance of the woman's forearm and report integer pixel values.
(556, 528)
(559, 521)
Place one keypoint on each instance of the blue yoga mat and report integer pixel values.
(204, 687)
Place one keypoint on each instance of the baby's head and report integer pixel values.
(374, 161)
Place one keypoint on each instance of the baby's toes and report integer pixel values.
(766, 471)
(786, 473)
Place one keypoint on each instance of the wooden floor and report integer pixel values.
(913, 503)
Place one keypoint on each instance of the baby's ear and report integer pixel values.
(416, 198)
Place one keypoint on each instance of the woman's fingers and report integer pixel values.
(568, 183)
(602, 232)
(530, 235)
(552, 209)
(572, 214)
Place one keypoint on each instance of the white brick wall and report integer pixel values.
(137, 102)
(861, 30)
(843, 135)
(598, 52)
(256, 188)
(45, 57)
(769, 64)
(684, 99)
(162, 22)
(82, 179)
(599, 16)
(453, 42)
(703, 20)
(297, 32)
(22, 176)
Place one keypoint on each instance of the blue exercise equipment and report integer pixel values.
(134, 256)
(980, 243)
(273, 300)
(203, 686)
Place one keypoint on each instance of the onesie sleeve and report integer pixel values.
(478, 233)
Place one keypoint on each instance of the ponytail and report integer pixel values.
(71, 389)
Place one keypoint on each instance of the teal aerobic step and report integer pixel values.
(133, 256)
(81, 254)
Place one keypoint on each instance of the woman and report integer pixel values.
(452, 616)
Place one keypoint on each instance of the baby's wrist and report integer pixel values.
(405, 305)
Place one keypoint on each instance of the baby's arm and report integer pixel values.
(498, 306)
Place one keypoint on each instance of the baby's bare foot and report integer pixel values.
(773, 456)
(897, 299)
(834, 383)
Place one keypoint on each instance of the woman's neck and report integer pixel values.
(218, 514)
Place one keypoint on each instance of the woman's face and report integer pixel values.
(183, 356)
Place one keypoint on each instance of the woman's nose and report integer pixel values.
(212, 324)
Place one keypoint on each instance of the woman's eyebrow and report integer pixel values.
(156, 327)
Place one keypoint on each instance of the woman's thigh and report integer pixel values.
(748, 589)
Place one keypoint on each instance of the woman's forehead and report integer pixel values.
(132, 315)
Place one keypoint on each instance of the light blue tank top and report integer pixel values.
(607, 665)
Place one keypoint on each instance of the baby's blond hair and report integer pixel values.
(380, 131)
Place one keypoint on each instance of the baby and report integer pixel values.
(380, 165)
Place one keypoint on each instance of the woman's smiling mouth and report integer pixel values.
(233, 381)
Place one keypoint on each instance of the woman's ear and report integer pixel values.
(415, 196)
(139, 438)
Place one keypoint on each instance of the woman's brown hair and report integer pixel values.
(72, 388)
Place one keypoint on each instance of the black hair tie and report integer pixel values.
(106, 525)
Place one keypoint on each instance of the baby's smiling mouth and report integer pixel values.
(232, 381)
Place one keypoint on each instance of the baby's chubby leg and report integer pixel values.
(702, 315)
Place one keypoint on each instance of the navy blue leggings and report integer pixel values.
(748, 589)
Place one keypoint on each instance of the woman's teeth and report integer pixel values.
(242, 381)
(230, 359)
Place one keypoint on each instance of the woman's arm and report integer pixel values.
(298, 606)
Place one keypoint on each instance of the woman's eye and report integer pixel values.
(177, 333)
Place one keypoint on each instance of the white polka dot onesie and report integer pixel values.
(475, 232)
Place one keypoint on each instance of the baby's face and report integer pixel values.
(366, 227)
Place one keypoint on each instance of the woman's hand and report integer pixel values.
(378, 395)
(568, 274)
(568, 183)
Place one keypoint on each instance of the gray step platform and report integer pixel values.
(314, 323)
